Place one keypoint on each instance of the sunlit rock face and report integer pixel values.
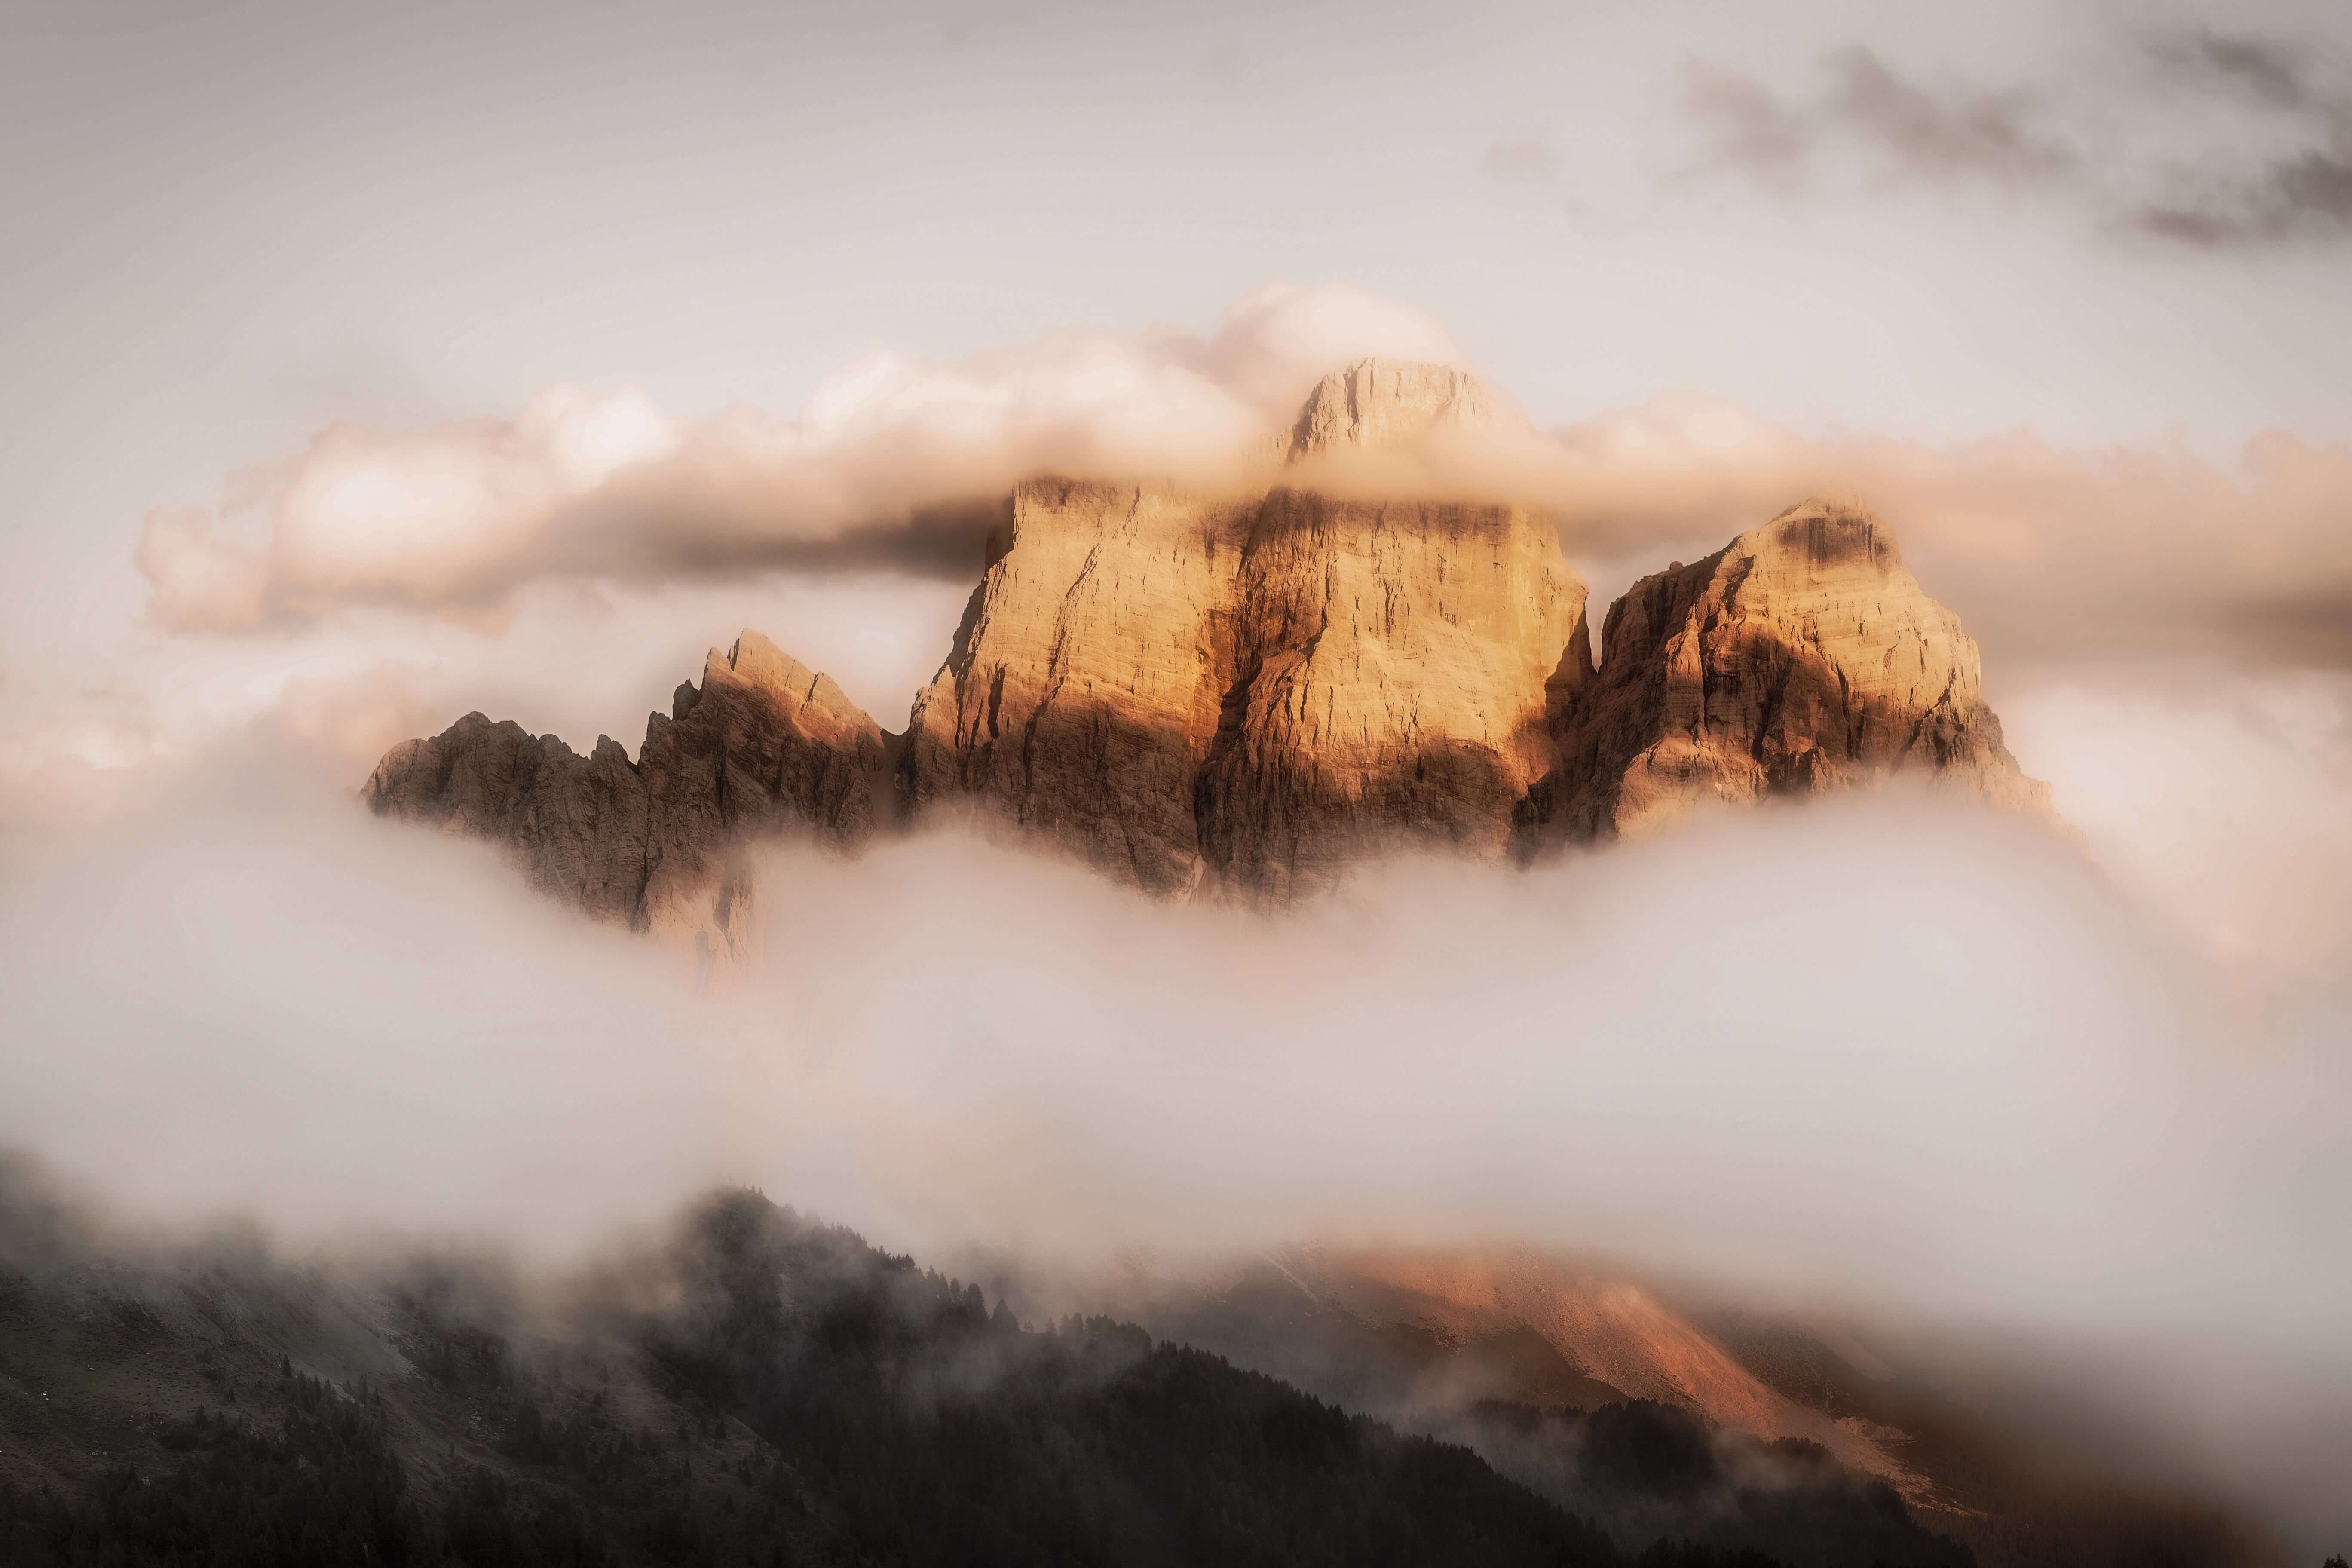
(1243, 695)
(766, 746)
(1800, 658)
(1081, 694)
(1383, 404)
(1391, 668)
(1239, 697)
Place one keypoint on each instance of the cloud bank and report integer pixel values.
(1874, 1044)
(1872, 1050)
(892, 463)
(2055, 556)
(565, 568)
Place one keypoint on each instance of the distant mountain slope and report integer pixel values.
(1542, 1363)
(764, 1389)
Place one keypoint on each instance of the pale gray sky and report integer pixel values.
(2115, 236)
(2105, 225)
(232, 221)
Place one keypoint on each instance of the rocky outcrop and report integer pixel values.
(1384, 404)
(1244, 694)
(765, 746)
(1247, 693)
(1078, 695)
(1388, 677)
(1800, 658)
(1239, 696)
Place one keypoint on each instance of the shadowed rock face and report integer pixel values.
(765, 746)
(1239, 696)
(1247, 693)
(1800, 658)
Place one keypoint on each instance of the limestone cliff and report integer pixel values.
(1243, 694)
(1801, 658)
(1237, 695)
(765, 746)
(1383, 403)
(1076, 697)
(1389, 671)
(1249, 692)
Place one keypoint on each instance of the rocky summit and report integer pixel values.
(1240, 696)
(1378, 404)
(1245, 694)
(765, 746)
(1801, 658)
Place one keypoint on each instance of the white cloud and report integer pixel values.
(453, 520)
(566, 568)
(1864, 1051)
(2055, 556)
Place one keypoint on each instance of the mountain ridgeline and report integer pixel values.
(1240, 696)
(760, 1389)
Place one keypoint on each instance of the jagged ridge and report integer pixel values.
(1241, 694)
(1800, 658)
(766, 745)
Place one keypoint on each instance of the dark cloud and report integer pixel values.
(2306, 197)
(1900, 127)
(2306, 626)
(1229, 68)
(653, 538)
(1941, 135)
(2299, 188)
(1750, 131)
(2263, 69)
(982, 25)
(2276, 166)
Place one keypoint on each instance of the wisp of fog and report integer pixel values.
(1877, 1049)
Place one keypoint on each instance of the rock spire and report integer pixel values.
(1239, 696)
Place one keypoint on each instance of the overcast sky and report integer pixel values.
(362, 365)
(238, 220)
(2098, 228)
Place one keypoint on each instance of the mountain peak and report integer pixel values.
(1384, 403)
(1248, 694)
(808, 698)
(1823, 533)
(765, 746)
(1800, 658)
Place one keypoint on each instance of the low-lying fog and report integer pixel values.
(1897, 1057)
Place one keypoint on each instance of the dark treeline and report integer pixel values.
(806, 1399)
(1644, 1469)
